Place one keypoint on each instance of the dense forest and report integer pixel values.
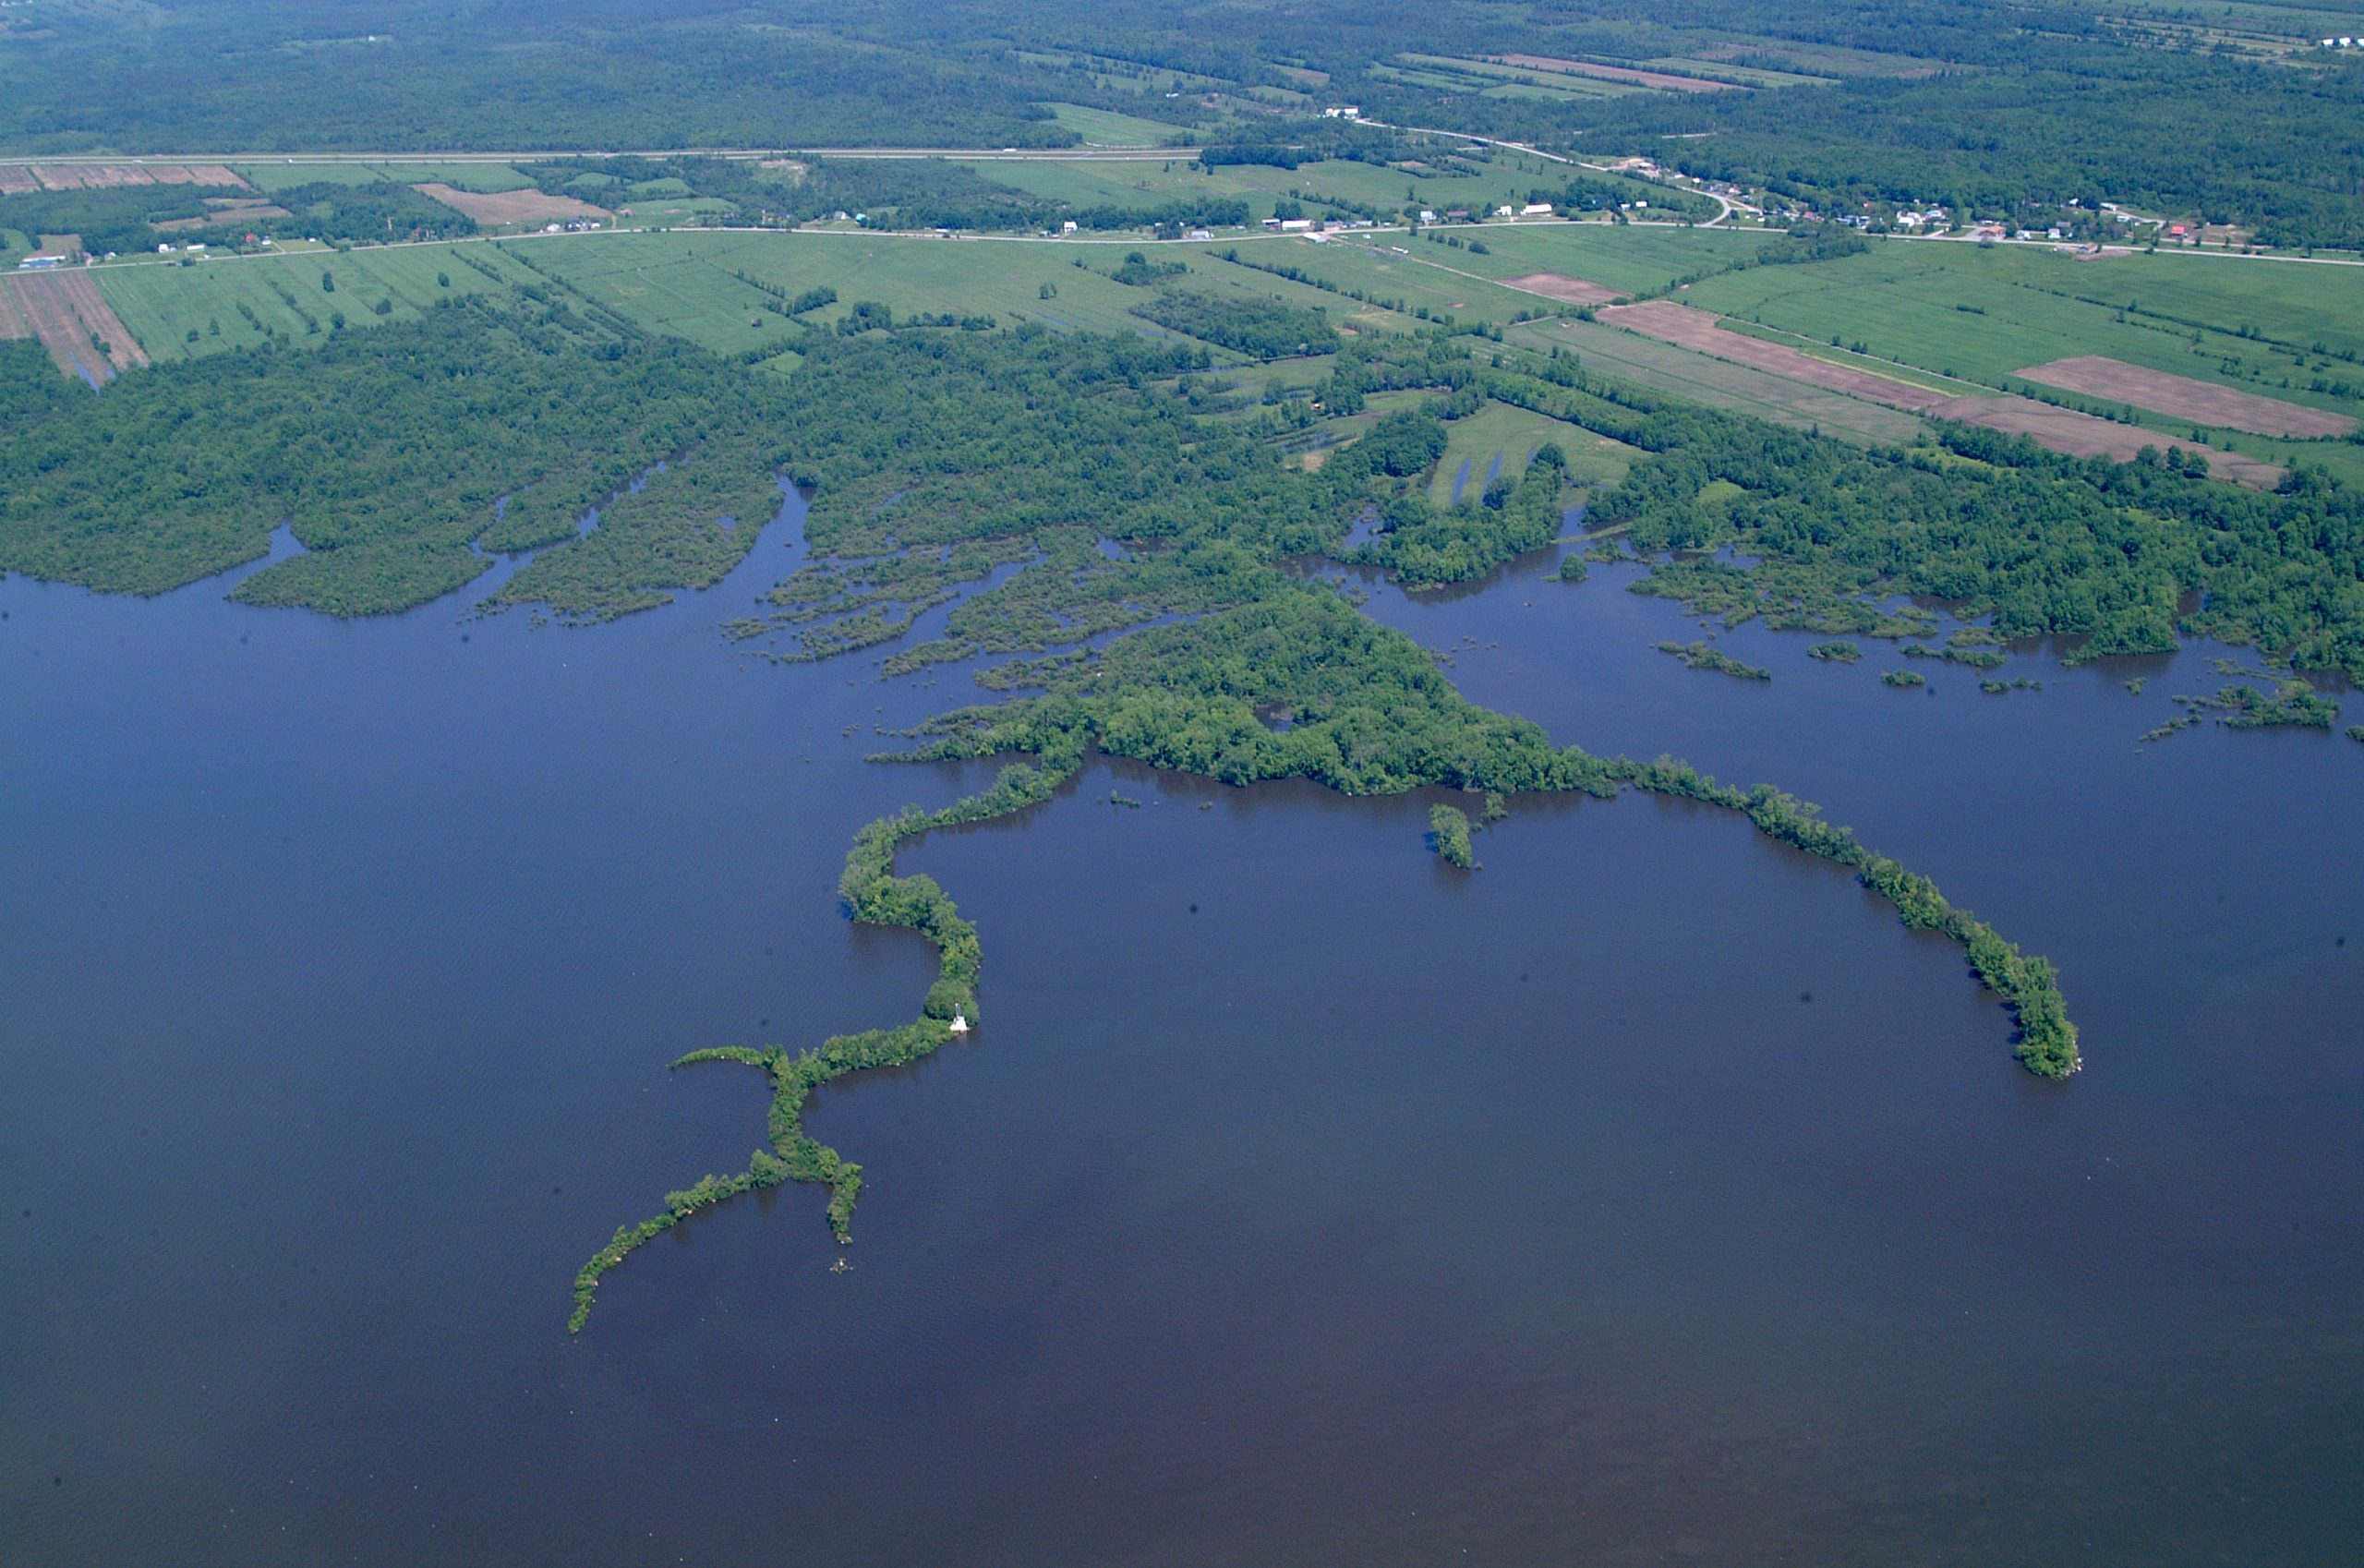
(1984, 105)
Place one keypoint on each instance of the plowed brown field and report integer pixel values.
(17, 180)
(100, 176)
(63, 310)
(1560, 286)
(2082, 435)
(2202, 403)
(511, 205)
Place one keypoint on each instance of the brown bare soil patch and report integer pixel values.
(12, 323)
(511, 205)
(101, 176)
(50, 315)
(1617, 73)
(2184, 398)
(17, 180)
(1560, 286)
(64, 310)
(2082, 435)
(67, 245)
(1698, 329)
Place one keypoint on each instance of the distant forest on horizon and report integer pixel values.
(2229, 117)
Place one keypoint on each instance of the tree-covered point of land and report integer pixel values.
(398, 457)
(934, 456)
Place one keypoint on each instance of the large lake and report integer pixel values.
(1648, 1196)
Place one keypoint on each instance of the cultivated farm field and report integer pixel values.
(1986, 313)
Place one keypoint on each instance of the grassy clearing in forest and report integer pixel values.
(1513, 436)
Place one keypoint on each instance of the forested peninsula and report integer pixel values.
(932, 456)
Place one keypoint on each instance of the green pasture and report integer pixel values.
(1106, 127)
(1144, 184)
(1514, 435)
(1608, 351)
(1629, 257)
(1369, 263)
(162, 304)
(1986, 313)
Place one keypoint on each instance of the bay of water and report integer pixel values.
(1649, 1195)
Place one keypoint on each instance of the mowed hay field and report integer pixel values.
(1501, 439)
(1142, 184)
(1700, 329)
(278, 175)
(1987, 313)
(281, 295)
(1720, 383)
(1628, 257)
(1423, 278)
(687, 283)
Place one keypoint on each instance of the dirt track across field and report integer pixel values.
(1618, 73)
(1698, 329)
(511, 205)
(1560, 286)
(2202, 403)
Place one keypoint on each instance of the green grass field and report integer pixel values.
(1499, 433)
(1106, 127)
(1719, 383)
(1142, 184)
(162, 304)
(1618, 256)
(1986, 313)
(278, 175)
(683, 284)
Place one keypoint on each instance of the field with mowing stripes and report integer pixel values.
(245, 301)
(1500, 439)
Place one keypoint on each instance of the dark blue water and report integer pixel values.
(1648, 1195)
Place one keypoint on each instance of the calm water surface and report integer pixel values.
(1648, 1196)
